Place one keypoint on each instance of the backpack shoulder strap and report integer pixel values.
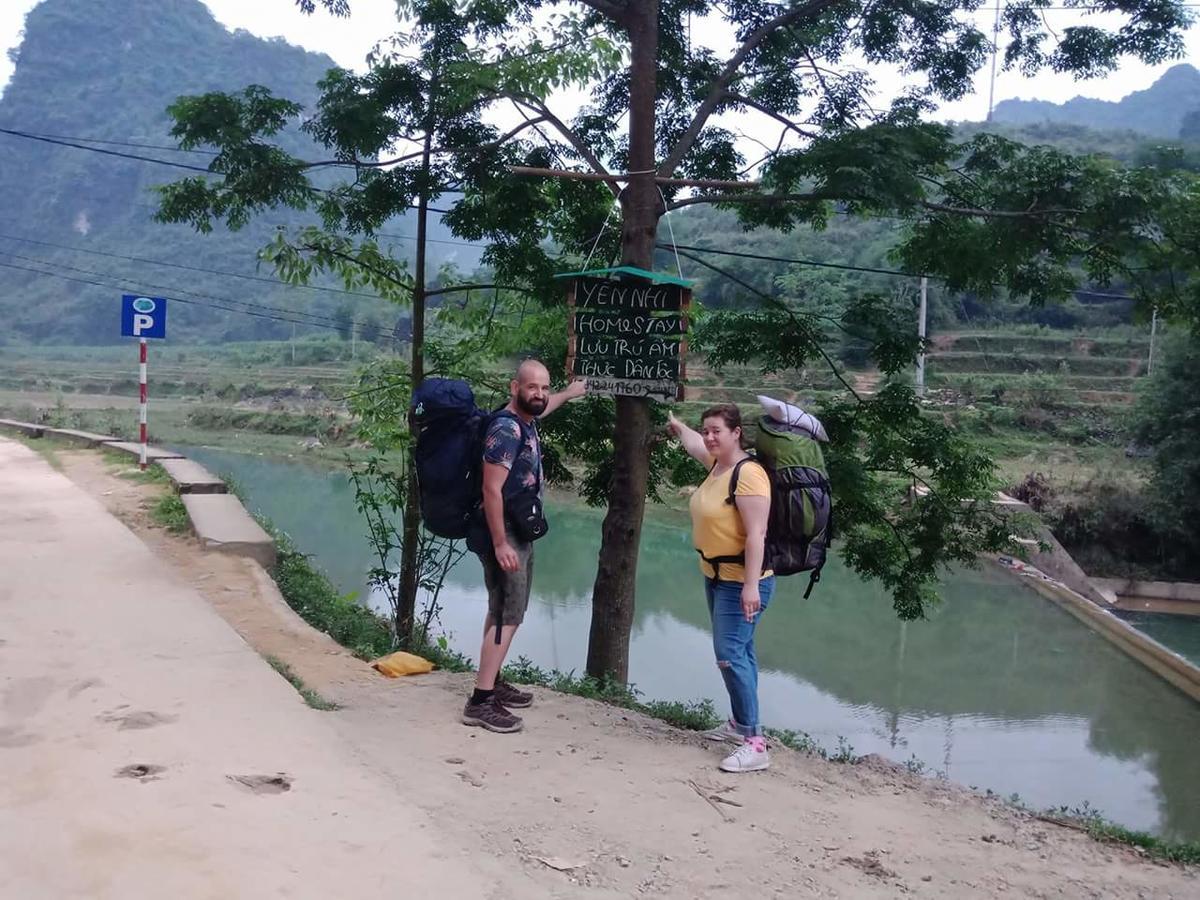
(733, 478)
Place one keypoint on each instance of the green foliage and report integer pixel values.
(343, 320)
(381, 495)
(697, 715)
(1090, 820)
(169, 512)
(438, 651)
(1167, 420)
(802, 742)
(310, 593)
(879, 448)
(216, 418)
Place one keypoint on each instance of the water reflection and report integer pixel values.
(998, 689)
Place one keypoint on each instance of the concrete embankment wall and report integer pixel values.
(218, 518)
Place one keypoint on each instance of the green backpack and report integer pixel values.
(800, 525)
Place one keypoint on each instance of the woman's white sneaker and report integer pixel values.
(752, 756)
(726, 732)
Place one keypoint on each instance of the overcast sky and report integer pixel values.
(349, 40)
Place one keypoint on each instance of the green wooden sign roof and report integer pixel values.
(652, 277)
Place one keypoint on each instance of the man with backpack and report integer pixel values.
(503, 535)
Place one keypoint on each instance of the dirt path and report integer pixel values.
(147, 751)
(591, 801)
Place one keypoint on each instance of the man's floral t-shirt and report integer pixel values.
(505, 446)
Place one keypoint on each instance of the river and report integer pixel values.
(998, 689)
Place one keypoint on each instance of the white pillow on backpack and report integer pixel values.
(794, 417)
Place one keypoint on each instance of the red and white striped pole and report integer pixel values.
(142, 399)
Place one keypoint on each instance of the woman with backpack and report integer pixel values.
(729, 529)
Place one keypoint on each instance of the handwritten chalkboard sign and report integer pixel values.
(629, 337)
(627, 296)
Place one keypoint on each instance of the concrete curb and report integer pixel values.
(222, 523)
(84, 439)
(190, 477)
(217, 517)
(153, 454)
(25, 428)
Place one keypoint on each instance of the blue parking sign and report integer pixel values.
(143, 317)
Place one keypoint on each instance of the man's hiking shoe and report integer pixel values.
(725, 732)
(491, 715)
(512, 697)
(752, 756)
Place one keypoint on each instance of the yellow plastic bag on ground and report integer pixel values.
(394, 665)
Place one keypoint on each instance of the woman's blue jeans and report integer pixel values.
(733, 642)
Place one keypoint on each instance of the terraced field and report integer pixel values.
(1075, 369)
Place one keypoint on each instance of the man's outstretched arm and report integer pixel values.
(573, 390)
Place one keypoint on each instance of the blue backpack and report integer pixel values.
(450, 430)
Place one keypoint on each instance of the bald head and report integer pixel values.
(532, 369)
(531, 388)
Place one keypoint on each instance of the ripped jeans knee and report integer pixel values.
(733, 649)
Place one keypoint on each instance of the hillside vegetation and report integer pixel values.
(106, 70)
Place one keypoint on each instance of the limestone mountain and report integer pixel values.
(106, 70)
(1157, 111)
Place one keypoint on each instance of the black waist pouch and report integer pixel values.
(525, 514)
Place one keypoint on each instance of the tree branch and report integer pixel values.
(997, 213)
(767, 111)
(925, 204)
(584, 151)
(454, 288)
(594, 176)
(722, 81)
(614, 11)
(748, 198)
(382, 273)
(437, 151)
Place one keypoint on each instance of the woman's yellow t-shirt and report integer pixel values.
(717, 528)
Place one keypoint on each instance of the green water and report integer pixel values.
(1178, 633)
(999, 689)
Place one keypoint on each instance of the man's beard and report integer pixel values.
(534, 407)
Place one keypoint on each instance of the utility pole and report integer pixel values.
(921, 334)
(293, 343)
(1153, 332)
(995, 52)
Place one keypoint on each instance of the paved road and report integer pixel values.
(107, 661)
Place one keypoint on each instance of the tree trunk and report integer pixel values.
(406, 604)
(613, 593)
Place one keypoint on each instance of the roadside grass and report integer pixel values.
(46, 448)
(311, 697)
(169, 512)
(1091, 821)
(363, 632)
(313, 596)
(125, 466)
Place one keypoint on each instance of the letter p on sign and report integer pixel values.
(143, 317)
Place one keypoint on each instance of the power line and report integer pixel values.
(134, 144)
(162, 162)
(245, 312)
(314, 319)
(160, 262)
(844, 267)
(134, 156)
(413, 237)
